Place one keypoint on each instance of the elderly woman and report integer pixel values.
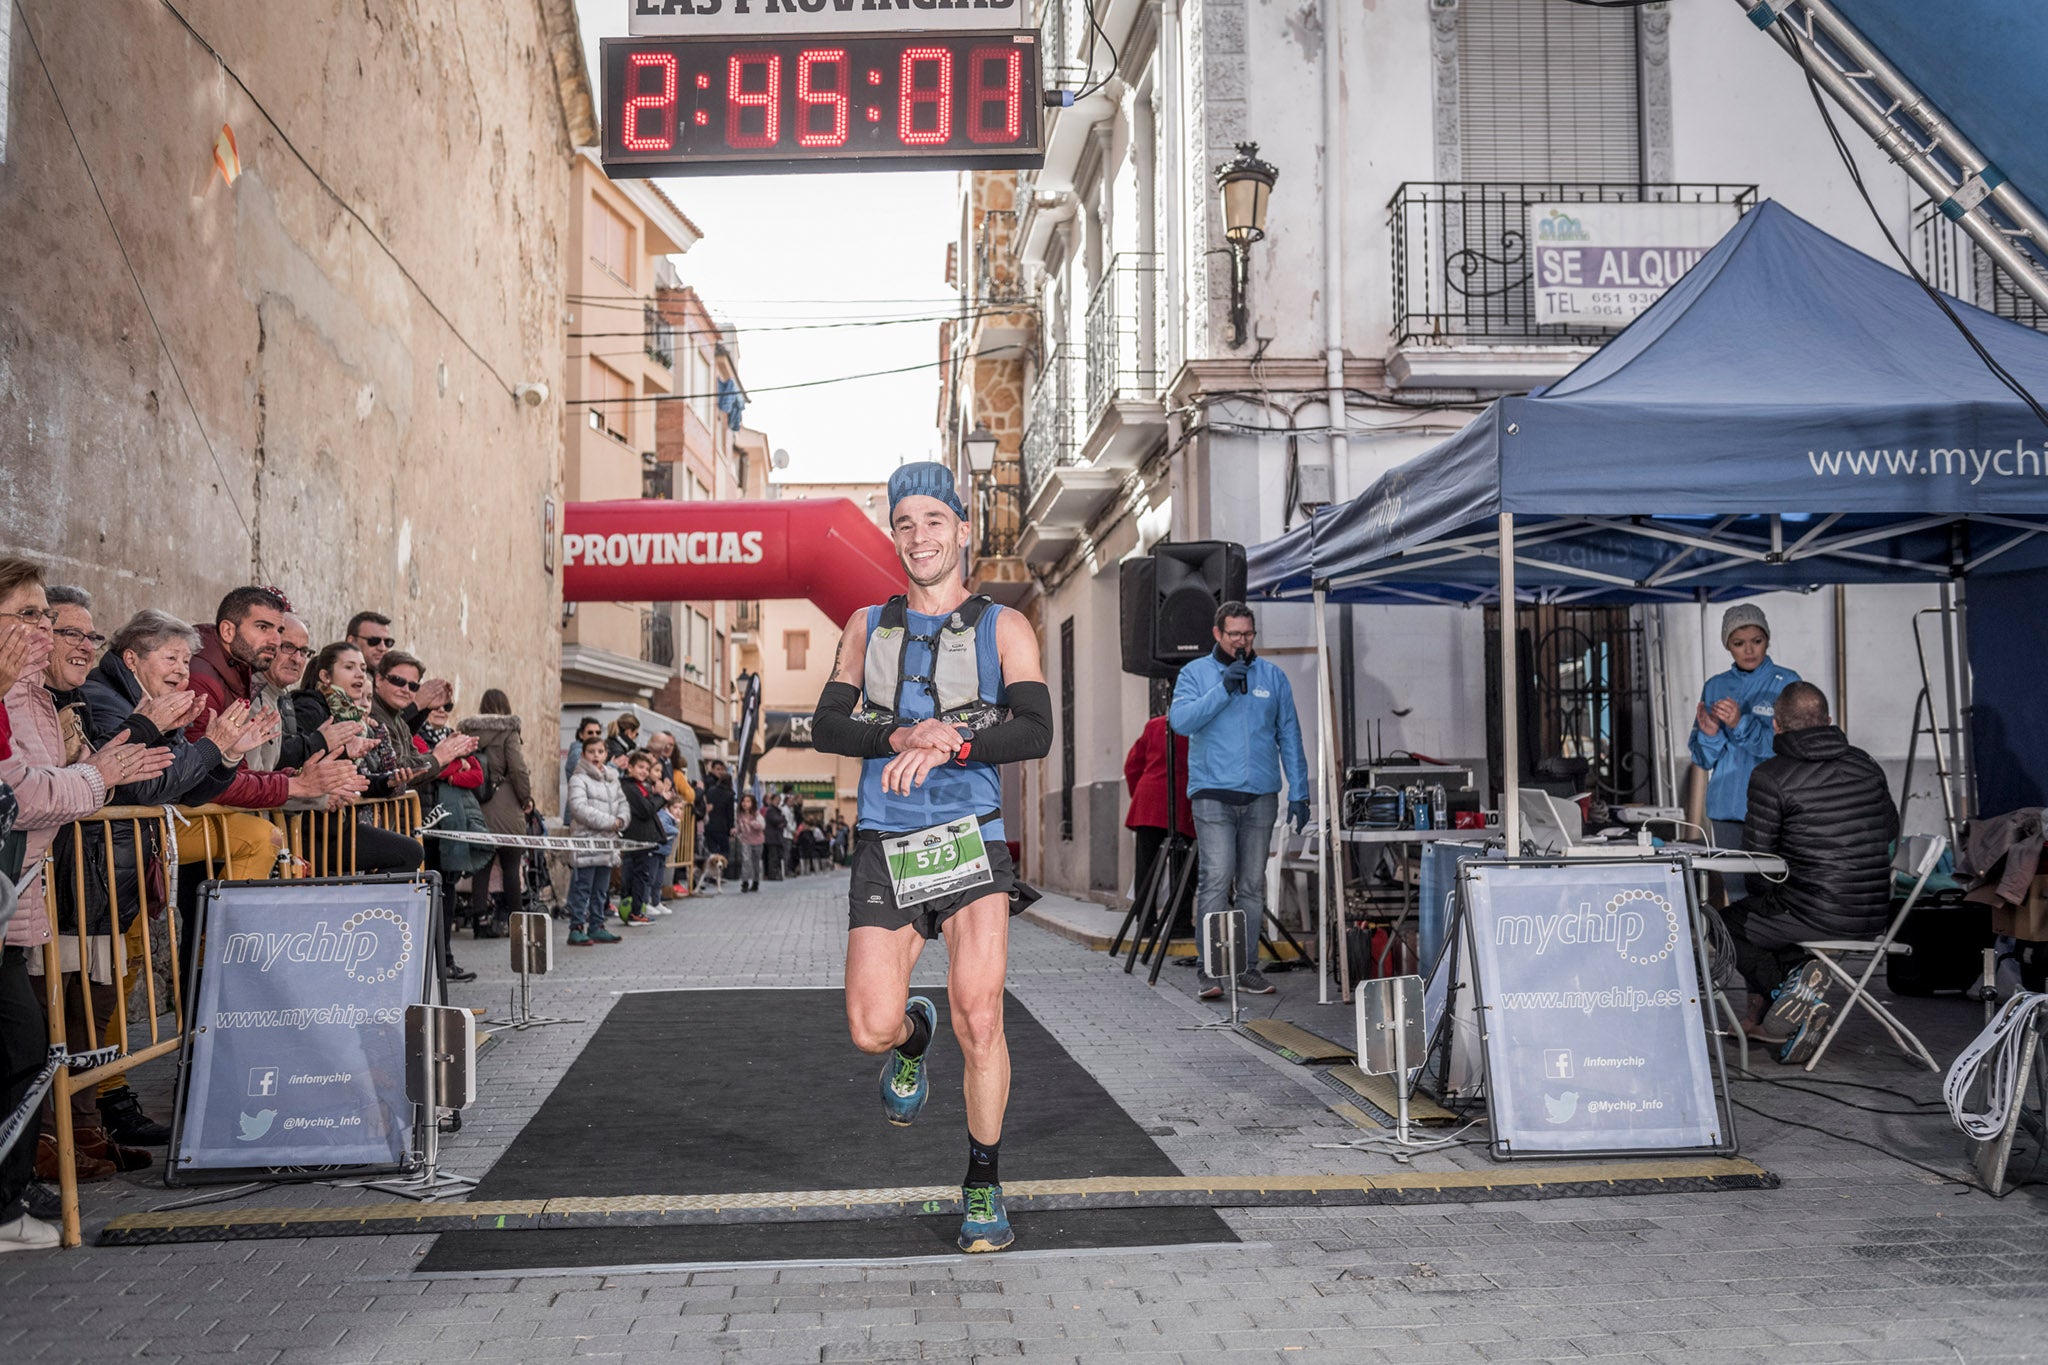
(139, 687)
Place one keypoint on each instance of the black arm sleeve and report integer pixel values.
(835, 731)
(1026, 734)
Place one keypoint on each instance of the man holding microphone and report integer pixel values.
(1237, 711)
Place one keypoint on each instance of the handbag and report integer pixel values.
(70, 848)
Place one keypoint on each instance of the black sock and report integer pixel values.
(981, 1162)
(920, 1034)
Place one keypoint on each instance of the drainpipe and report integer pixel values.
(1333, 246)
(1174, 223)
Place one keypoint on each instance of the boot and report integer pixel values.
(122, 1114)
(90, 1169)
(95, 1142)
(502, 906)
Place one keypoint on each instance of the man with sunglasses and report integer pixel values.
(370, 632)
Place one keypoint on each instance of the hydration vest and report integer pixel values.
(954, 683)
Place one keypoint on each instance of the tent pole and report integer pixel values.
(1330, 811)
(1510, 730)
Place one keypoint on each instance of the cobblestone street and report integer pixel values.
(1858, 1257)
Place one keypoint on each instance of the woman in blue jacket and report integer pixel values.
(1732, 730)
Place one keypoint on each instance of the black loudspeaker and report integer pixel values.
(1168, 602)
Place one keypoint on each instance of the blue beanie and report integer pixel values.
(927, 478)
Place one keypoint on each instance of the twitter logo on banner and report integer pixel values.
(1557, 1108)
(255, 1128)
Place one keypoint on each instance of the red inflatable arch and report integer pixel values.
(824, 549)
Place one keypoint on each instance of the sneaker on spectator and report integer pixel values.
(638, 917)
(40, 1201)
(27, 1234)
(578, 939)
(122, 1113)
(1211, 990)
(1794, 998)
(1801, 1046)
(1252, 981)
(603, 935)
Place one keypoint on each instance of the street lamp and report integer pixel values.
(1246, 183)
(981, 448)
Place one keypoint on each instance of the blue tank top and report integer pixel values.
(952, 791)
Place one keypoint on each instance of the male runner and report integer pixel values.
(933, 691)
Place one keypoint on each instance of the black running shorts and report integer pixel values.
(871, 898)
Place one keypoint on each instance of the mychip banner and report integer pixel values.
(296, 1054)
(1591, 1009)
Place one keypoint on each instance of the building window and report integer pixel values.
(1067, 729)
(796, 644)
(1548, 92)
(610, 396)
(611, 242)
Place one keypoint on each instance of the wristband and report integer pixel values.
(960, 754)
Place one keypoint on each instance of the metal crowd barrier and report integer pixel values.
(321, 844)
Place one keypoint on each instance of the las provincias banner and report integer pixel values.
(646, 550)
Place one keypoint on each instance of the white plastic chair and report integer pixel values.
(1829, 952)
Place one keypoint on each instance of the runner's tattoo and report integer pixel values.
(840, 668)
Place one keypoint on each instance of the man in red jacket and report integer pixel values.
(247, 628)
(1145, 781)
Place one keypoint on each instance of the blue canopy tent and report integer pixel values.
(1792, 413)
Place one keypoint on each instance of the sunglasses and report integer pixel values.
(378, 641)
(400, 682)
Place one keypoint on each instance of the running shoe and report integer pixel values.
(1794, 998)
(1253, 982)
(637, 917)
(600, 934)
(986, 1226)
(1211, 990)
(905, 1085)
(578, 939)
(1795, 1051)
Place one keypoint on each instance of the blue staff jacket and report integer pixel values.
(1239, 741)
(1730, 755)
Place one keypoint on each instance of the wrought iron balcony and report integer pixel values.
(1002, 515)
(661, 337)
(658, 638)
(746, 618)
(1950, 261)
(998, 275)
(1124, 345)
(1052, 437)
(1461, 258)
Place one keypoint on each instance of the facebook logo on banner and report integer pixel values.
(263, 1080)
(1557, 1064)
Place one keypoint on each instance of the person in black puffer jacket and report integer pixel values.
(1824, 806)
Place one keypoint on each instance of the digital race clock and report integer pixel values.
(677, 106)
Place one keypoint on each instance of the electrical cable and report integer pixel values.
(1944, 1176)
(1115, 61)
(807, 326)
(765, 388)
(1924, 1113)
(334, 194)
(1991, 363)
(227, 486)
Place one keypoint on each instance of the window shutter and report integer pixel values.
(1547, 92)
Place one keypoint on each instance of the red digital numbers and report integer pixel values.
(762, 99)
(925, 95)
(661, 103)
(743, 72)
(822, 87)
(1004, 96)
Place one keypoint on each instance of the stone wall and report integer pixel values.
(330, 406)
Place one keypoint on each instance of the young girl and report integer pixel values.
(753, 832)
(1732, 725)
(597, 806)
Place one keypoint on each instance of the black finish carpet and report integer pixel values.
(732, 1091)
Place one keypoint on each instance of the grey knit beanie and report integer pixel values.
(1740, 615)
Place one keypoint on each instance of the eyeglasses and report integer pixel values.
(92, 639)
(34, 616)
(1239, 634)
(286, 648)
(400, 682)
(378, 641)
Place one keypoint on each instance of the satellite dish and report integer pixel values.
(779, 460)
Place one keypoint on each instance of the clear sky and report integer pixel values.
(787, 251)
